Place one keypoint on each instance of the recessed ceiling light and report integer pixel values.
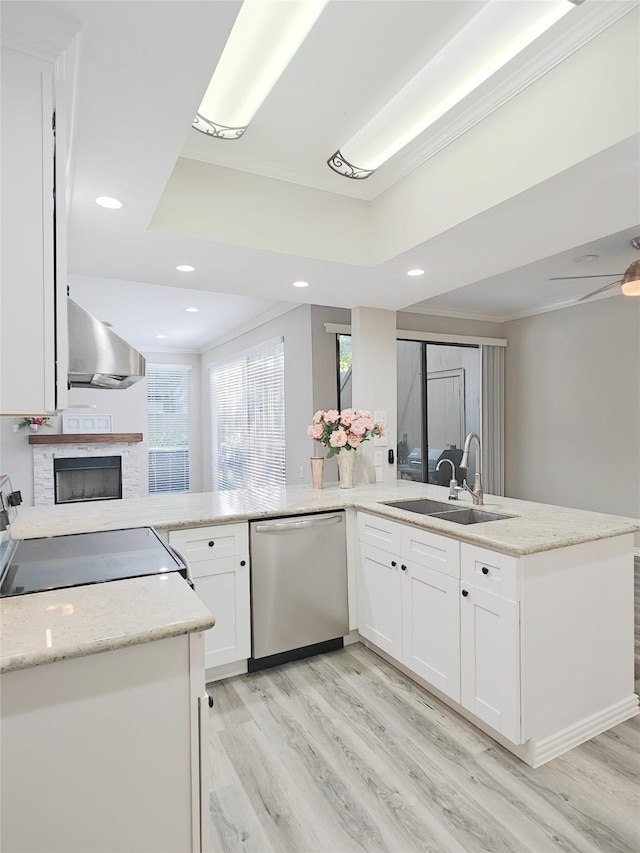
(192, 310)
(583, 259)
(416, 272)
(185, 268)
(301, 284)
(160, 336)
(107, 201)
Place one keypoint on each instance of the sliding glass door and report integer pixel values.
(438, 405)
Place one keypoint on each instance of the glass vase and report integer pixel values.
(346, 461)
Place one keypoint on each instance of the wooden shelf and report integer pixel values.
(87, 438)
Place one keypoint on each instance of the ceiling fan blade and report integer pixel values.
(567, 277)
(599, 290)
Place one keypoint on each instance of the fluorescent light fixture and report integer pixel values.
(301, 284)
(264, 39)
(416, 272)
(192, 310)
(495, 34)
(107, 201)
(185, 268)
(160, 336)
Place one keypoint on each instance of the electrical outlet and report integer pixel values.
(16, 427)
(302, 472)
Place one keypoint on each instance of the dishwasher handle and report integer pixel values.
(304, 524)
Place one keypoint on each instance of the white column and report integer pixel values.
(374, 384)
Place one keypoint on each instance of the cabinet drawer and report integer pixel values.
(490, 571)
(211, 543)
(221, 566)
(431, 550)
(380, 532)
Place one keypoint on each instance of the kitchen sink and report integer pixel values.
(438, 509)
(422, 505)
(468, 516)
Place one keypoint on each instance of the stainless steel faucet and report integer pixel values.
(476, 493)
(454, 488)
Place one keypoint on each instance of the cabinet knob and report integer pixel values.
(243, 562)
(211, 543)
(485, 570)
(465, 592)
(393, 564)
(404, 568)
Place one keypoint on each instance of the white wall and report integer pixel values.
(295, 328)
(572, 399)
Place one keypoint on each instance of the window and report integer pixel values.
(169, 407)
(343, 346)
(248, 419)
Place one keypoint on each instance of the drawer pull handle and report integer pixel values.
(485, 570)
(211, 543)
(404, 568)
(243, 562)
(393, 564)
(465, 592)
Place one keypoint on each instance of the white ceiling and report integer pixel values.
(143, 66)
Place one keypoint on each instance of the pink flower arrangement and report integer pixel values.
(346, 429)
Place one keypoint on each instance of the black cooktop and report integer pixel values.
(58, 562)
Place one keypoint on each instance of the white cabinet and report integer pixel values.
(380, 600)
(431, 627)
(34, 338)
(408, 599)
(102, 752)
(219, 560)
(490, 659)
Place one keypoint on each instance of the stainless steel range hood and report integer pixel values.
(98, 358)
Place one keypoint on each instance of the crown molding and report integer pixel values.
(273, 314)
(596, 18)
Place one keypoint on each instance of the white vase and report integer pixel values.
(33, 427)
(346, 460)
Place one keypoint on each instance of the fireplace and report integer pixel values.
(87, 478)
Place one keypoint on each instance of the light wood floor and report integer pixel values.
(341, 752)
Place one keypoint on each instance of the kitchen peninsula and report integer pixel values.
(524, 625)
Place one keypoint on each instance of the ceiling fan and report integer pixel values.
(630, 279)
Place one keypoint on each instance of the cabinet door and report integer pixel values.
(224, 589)
(30, 305)
(380, 600)
(490, 659)
(431, 627)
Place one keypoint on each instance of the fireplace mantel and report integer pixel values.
(87, 438)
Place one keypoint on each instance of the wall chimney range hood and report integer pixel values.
(98, 358)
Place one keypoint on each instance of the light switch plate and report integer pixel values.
(380, 441)
(379, 460)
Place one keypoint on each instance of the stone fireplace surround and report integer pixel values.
(68, 446)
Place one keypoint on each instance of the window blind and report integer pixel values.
(248, 419)
(169, 418)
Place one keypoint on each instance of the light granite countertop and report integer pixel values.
(530, 527)
(51, 626)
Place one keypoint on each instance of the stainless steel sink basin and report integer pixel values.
(422, 505)
(468, 516)
(438, 509)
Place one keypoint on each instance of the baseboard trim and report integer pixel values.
(545, 749)
(351, 638)
(225, 670)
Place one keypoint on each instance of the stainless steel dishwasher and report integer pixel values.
(298, 587)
